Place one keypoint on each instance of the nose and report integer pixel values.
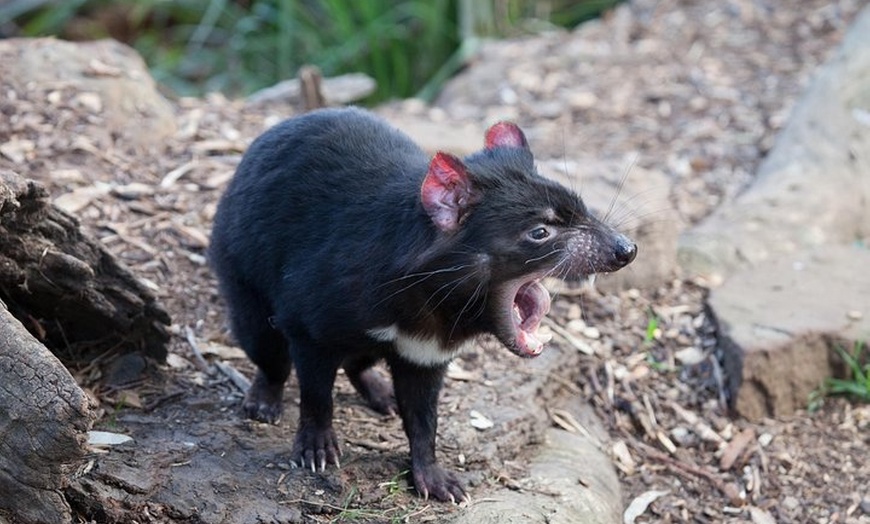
(626, 250)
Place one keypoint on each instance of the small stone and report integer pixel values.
(582, 100)
(89, 101)
(126, 369)
(865, 506)
(106, 439)
(479, 421)
(690, 356)
(548, 110)
(574, 313)
(592, 332)
(623, 456)
(576, 326)
(133, 191)
(508, 96)
(67, 175)
(17, 150)
(854, 315)
(765, 439)
(791, 503)
(681, 436)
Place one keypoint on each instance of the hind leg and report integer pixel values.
(374, 388)
(265, 346)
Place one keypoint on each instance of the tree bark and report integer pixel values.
(67, 290)
(44, 417)
(60, 292)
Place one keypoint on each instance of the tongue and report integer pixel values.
(532, 302)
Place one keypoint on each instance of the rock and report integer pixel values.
(573, 481)
(780, 320)
(460, 139)
(105, 78)
(813, 188)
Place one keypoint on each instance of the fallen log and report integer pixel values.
(44, 418)
(62, 298)
(66, 289)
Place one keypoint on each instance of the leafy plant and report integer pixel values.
(652, 327)
(652, 331)
(857, 385)
(238, 46)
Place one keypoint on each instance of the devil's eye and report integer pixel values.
(539, 234)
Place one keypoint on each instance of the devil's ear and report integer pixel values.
(505, 134)
(447, 192)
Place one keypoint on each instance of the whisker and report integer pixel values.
(454, 283)
(426, 273)
(545, 255)
(423, 276)
(636, 220)
(621, 185)
(470, 300)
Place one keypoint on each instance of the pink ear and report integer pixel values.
(505, 134)
(446, 192)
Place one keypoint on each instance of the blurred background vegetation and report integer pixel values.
(238, 46)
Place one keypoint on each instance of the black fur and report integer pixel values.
(321, 237)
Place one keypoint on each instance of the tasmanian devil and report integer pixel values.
(339, 243)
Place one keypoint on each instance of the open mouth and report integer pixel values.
(530, 303)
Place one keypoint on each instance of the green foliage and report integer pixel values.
(652, 327)
(856, 386)
(238, 46)
(652, 333)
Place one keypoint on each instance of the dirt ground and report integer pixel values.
(655, 383)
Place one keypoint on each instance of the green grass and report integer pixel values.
(652, 326)
(238, 46)
(652, 330)
(856, 385)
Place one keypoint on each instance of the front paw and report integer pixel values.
(436, 482)
(315, 447)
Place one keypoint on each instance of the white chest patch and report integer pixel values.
(419, 350)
